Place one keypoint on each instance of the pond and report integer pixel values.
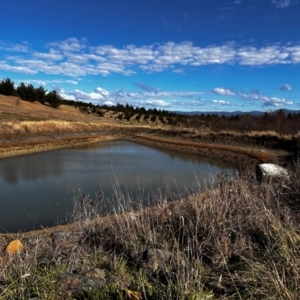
(38, 190)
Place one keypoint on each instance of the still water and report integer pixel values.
(39, 189)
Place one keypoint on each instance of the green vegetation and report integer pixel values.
(7, 87)
(53, 98)
(30, 93)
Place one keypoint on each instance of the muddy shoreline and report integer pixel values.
(240, 162)
(27, 144)
(32, 144)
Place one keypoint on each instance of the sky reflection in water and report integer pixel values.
(38, 189)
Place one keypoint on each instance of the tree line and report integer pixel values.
(278, 121)
(30, 93)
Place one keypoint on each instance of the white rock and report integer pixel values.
(271, 170)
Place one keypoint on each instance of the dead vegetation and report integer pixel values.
(239, 240)
(260, 155)
(51, 126)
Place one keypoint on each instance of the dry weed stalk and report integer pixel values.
(239, 240)
(51, 126)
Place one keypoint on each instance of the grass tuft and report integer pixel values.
(239, 240)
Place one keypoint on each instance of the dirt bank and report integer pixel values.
(33, 144)
(242, 158)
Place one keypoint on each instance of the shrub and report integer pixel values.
(28, 93)
(7, 87)
(54, 99)
(41, 94)
(153, 118)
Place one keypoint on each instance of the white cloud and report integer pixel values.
(169, 99)
(39, 82)
(221, 102)
(254, 95)
(265, 100)
(223, 91)
(160, 103)
(285, 87)
(283, 3)
(178, 71)
(73, 57)
(99, 95)
(69, 45)
(169, 94)
(156, 98)
(20, 69)
(13, 47)
(108, 103)
(102, 91)
(146, 87)
(52, 55)
(294, 53)
(269, 55)
(67, 96)
(45, 82)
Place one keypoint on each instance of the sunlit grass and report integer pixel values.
(239, 240)
(51, 126)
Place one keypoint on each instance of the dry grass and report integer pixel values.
(239, 240)
(261, 134)
(18, 117)
(51, 126)
(27, 111)
(260, 155)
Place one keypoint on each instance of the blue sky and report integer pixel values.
(182, 55)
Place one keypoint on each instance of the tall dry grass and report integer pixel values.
(239, 240)
(259, 133)
(51, 126)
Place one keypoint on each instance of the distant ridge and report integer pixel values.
(234, 113)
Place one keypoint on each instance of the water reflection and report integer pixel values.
(38, 189)
(34, 166)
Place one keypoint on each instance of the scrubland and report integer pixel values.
(237, 240)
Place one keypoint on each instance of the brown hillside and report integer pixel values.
(15, 109)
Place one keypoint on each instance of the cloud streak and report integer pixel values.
(283, 3)
(171, 99)
(254, 95)
(285, 87)
(265, 100)
(73, 57)
(223, 91)
(221, 102)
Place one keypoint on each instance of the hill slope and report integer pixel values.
(15, 109)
